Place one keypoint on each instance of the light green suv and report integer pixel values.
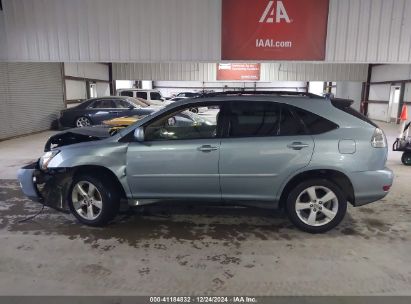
(301, 152)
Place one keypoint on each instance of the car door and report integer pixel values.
(264, 144)
(102, 109)
(176, 160)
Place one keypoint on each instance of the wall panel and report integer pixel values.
(359, 31)
(31, 96)
(269, 71)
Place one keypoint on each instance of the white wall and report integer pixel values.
(3, 41)
(378, 111)
(389, 72)
(381, 92)
(87, 70)
(103, 89)
(350, 90)
(375, 31)
(76, 89)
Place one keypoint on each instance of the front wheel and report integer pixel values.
(316, 205)
(406, 158)
(92, 201)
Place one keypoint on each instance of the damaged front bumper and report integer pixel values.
(49, 187)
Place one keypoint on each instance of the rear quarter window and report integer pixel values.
(314, 123)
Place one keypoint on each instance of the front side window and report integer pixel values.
(183, 125)
(253, 118)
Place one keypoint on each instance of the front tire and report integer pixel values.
(406, 158)
(316, 206)
(93, 201)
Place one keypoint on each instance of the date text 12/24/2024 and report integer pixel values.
(203, 299)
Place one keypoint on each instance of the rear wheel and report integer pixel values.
(316, 205)
(83, 121)
(194, 110)
(93, 201)
(406, 158)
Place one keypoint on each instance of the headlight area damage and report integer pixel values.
(49, 187)
(75, 136)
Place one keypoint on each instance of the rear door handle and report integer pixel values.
(206, 148)
(297, 145)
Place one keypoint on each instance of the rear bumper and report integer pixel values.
(47, 188)
(369, 185)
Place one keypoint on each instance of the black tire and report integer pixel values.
(299, 223)
(82, 121)
(110, 199)
(194, 110)
(406, 158)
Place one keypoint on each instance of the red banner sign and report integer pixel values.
(238, 71)
(274, 29)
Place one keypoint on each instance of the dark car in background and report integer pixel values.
(94, 111)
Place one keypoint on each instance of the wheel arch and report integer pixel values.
(100, 172)
(338, 177)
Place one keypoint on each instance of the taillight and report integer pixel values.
(378, 139)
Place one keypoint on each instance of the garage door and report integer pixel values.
(31, 97)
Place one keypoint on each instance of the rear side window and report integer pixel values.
(315, 124)
(290, 124)
(249, 119)
(103, 104)
(142, 95)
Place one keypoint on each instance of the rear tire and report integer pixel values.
(82, 121)
(93, 201)
(406, 158)
(316, 206)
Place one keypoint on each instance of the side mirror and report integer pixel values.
(139, 134)
(130, 107)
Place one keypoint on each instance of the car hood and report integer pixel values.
(77, 135)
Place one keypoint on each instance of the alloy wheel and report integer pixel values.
(86, 200)
(82, 122)
(316, 205)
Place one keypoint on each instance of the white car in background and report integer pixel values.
(153, 97)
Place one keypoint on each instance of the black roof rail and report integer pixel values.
(279, 93)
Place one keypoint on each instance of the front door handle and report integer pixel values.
(206, 148)
(297, 145)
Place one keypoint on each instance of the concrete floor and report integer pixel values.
(191, 249)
